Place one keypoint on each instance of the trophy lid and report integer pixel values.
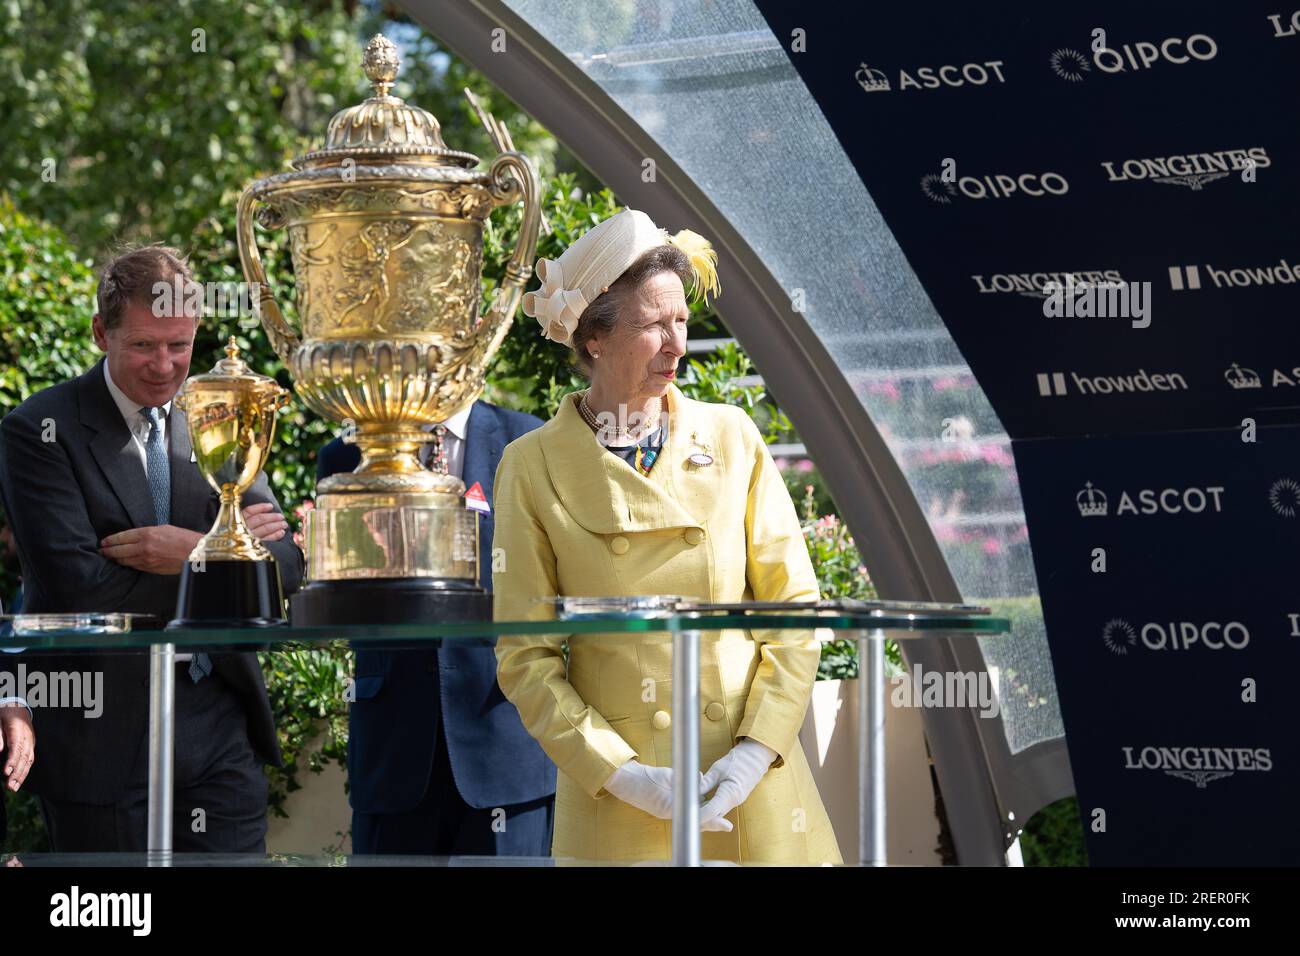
(384, 128)
(231, 374)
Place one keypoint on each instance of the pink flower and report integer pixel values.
(992, 546)
(806, 465)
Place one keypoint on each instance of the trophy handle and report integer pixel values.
(513, 178)
(283, 338)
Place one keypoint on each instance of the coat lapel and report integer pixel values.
(113, 447)
(484, 443)
(483, 446)
(607, 496)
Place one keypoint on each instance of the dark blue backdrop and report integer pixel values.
(1009, 144)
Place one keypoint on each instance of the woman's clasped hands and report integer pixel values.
(732, 778)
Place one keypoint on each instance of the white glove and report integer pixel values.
(646, 788)
(735, 775)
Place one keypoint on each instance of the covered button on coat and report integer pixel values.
(574, 519)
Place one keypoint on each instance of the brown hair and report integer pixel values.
(603, 315)
(130, 276)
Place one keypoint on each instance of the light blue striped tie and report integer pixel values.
(160, 489)
(156, 464)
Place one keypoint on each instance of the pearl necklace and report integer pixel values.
(616, 431)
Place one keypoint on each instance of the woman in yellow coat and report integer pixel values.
(634, 489)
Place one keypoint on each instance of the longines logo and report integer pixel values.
(1073, 66)
(1040, 285)
(1284, 497)
(1094, 503)
(993, 186)
(1120, 637)
(1198, 765)
(1192, 170)
(931, 78)
(1189, 277)
(1289, 30)
(1055, 384)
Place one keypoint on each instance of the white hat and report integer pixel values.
(599, 256)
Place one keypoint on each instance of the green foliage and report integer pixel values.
(308, 691)
(147, 131)
(47, 294)
(1054, 836)
(841, 573)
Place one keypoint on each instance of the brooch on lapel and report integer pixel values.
(700, 455)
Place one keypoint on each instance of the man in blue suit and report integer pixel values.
(439, 762)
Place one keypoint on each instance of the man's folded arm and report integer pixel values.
(47, 510)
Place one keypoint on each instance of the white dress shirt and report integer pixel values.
(136, 422)
(453, 443)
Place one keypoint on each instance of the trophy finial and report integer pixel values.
(380, 63)
(232, 349)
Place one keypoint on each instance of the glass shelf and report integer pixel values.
(896, 625)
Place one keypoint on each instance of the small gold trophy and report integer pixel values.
(231, 579)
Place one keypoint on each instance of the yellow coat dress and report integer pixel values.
(574, 519)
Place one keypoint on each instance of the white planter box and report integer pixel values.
(830, 739)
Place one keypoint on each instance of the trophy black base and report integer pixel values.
(230, 594)
(389, 601)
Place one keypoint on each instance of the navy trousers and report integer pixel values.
(445, 825)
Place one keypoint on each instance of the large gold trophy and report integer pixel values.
(231, 579)
(385, 225)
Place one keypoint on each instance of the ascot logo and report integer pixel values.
(1073, 66)
(1198, 765)
(1284, 497)
(1245, 378)
(1192, 170)
(1093, 503)
(932, 78)
(1241, 378)
(993, 186)
(1120, 637)
(1040, 285)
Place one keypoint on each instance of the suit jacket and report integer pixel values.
(62, 497)
(574, 519)
(402, 695)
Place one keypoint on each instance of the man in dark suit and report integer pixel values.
(106, 503)
(439, 762)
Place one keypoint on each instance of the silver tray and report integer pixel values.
(645, 605)
(31, 625)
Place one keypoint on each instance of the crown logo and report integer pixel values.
(1239, 377)
(1092, 502)
(873, 81)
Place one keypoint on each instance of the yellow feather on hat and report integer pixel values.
(704, 262)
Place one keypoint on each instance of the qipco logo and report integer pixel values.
(1143, 55)
(1185, 635)
(944, 187)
